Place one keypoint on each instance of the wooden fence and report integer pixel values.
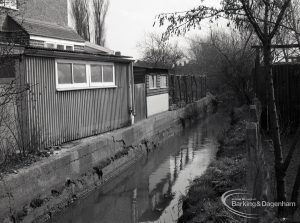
(184, 89)
(287, 91)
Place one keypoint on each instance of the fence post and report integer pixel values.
(193, 88)
(196, 89)
(175, 93)
(201, 86)
(186, 90)
(205, 89)
(179, 87)
(257, 63)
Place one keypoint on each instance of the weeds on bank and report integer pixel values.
(203, 204)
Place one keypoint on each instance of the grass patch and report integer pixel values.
(202, 203)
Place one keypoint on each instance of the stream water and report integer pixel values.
(151, 189)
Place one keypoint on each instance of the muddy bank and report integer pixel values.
(227, 172)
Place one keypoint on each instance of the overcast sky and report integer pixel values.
(128, 21)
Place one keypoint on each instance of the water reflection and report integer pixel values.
(150, 191)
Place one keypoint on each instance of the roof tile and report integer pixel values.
(46, 29)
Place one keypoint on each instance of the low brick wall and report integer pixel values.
(39, 191)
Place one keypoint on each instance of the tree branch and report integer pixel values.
(292, 149)
(279, 18)
(252, 21)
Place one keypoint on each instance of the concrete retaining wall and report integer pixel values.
(39, 191)
(259, 178)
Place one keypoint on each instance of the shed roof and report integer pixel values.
(46, 29)
(144, 68)
(143, 64)
(63, 54)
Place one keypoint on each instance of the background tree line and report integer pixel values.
(90, 15)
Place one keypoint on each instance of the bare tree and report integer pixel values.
(156, 50)
(293, 20)
(100, 11)
(81, 16)
(11, 90)
(11, 93)
(265, 19)
(289, 33)
(226, 58)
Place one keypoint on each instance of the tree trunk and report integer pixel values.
(275, 131)
(295, 192)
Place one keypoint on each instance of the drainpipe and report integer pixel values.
(133, 90)
(131, 87)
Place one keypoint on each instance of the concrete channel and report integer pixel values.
(37, 193)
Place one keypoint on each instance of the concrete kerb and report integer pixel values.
(36, 192)
(258, 176)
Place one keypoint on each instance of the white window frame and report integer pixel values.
(154, 83)
(9, 4)
(166, 84)
(88, 84)
(57, 41)
(68, 45)
(102, 84)
(55, 45)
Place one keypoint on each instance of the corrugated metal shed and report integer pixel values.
(52, 117)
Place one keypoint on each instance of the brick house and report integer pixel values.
(54, 11)
(44, 18)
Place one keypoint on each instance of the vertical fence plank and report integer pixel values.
(186, 88)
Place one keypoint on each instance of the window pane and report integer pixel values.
(96, 73)
(79, 73)
(108, 73)
(163, 81)
(150, 81)
(64, 73)
(154, 81)
(69, 48)
(50, 45)
(9, 3)
(60, 47)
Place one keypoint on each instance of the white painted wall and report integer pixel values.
(157, 104)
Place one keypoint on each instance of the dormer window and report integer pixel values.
(69, 48)
(50, 45)
(11, 4)
(59, 46)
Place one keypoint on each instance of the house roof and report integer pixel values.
(46, 29)
(92, 48)
(146, 65)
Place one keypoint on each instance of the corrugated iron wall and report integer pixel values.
(55, 117)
